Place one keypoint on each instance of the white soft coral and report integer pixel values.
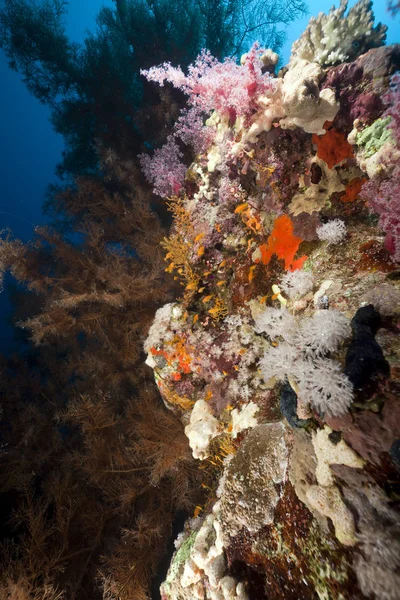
(332, 232)
(302, 357)
(275, 322)
(297, 283)
(323, 332)
(322, 382)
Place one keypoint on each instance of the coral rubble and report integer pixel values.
(281, 356)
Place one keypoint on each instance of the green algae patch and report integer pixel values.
(181, 556)
(372, 138)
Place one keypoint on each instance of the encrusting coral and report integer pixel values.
(249, 489)
(272, 224)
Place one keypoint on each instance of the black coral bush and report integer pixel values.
(94, 468)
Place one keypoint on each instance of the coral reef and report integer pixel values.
(281, 356)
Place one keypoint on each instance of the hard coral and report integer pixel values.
(328, 501)
(334, 38)
(372, 138)
(198, 568)
(329, 451)
(383, 195)
(202, 428)
(316, 196)
(249, 491)
(305, 106)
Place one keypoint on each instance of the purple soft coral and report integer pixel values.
(383, 197)
(164, 169)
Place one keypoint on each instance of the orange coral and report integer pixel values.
(332, 147)
(219, 310)
(264, 173)
(179, 246)
(284, 244)
(252, 221)
(352, 190)
(178, 355)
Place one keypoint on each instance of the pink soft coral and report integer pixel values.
(226, 87)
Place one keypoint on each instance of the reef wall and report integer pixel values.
(282, 356)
